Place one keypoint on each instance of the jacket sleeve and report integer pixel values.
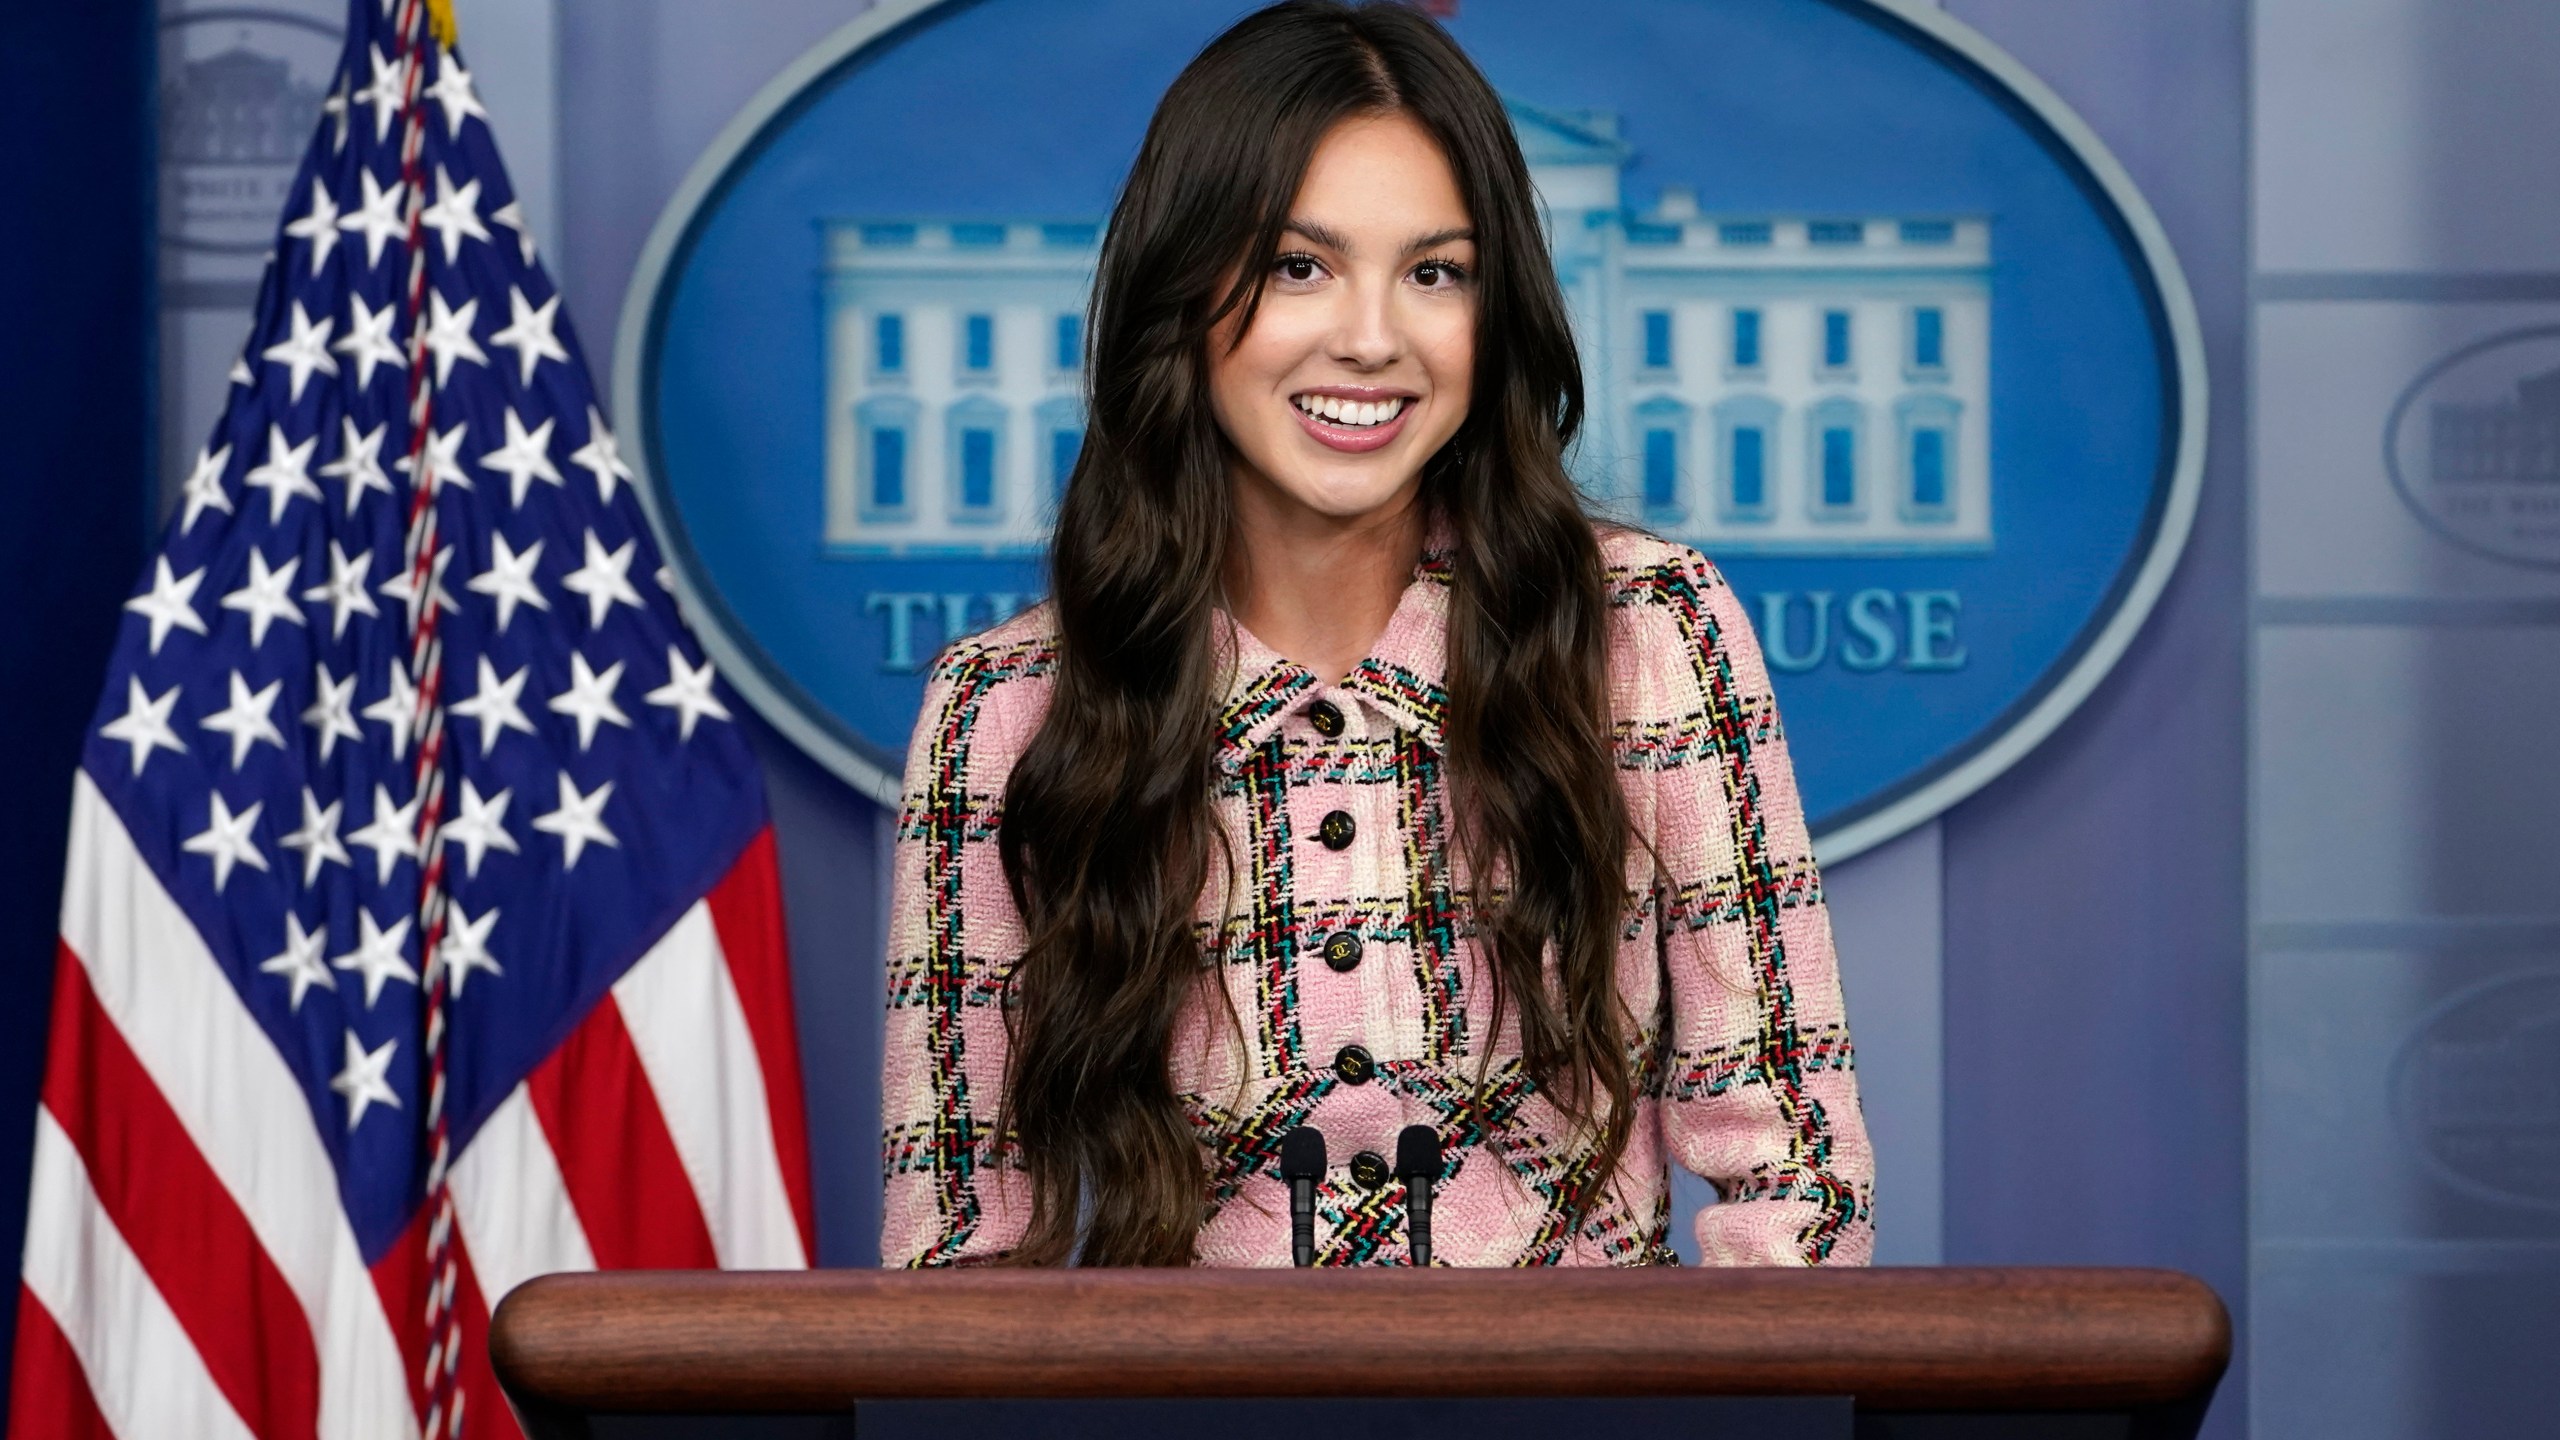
(1759, 1094)
(952, 1197)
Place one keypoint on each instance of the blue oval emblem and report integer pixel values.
(1866, 315)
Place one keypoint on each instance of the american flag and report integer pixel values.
(421, 929)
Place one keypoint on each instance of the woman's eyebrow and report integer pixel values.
(1325, 236)
(1319, 233)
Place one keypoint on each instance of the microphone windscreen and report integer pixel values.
(1418, 1151)
(1302, 1154)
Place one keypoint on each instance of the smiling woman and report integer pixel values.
(1355, 787)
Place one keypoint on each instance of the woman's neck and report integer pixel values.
(1319, 588)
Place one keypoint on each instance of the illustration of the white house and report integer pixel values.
(1754, 382)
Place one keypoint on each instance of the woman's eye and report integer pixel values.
(1438, 275)
(1297, 269)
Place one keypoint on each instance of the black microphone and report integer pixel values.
(1302, 1165)
(1418, 1161)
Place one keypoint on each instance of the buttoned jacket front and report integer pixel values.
(1345, 951)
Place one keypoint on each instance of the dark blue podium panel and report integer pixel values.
(1816, 1418)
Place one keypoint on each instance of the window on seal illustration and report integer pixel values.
(1061, 421)
(889, 344)
(1657, 340)
(1928, 357)
(1745, 353)
(1070, 341)
(1746, 457)
(977, 346)
(884, 459)
(1662, 438)
(974, 447)
(1836, 353)
(1928, 426)
(1833, 432)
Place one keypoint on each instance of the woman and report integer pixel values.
(1353, 778)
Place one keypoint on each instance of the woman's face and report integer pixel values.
(1359, 361)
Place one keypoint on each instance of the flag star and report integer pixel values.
(319, 225)
(286, 473)
(398, 708)
(688, 693)
(511, 215)
(345, 589)
(455, 215)
(443, 457)
(377, 955)
(226, 841)
(359, 461)
(169, 604)
(391, 835)
(299, 961)
(332, 711)
(368, 340)
(589, 698)
(239, 374)
(378, 219)
(144, 725)
(466, 948)
(449, 334)
(601, 456)
(525, 458)
(248, 719)
(495, 706)
(318, 838)
(579, 821)
(404, 587)
(335, 108)
(204, 490)
(509, 579)
(528, 333)
(481, 827)
(604, 579)
(386, 93)
(452, 90)
(305, 350)
(266, 596)
(363, 1080)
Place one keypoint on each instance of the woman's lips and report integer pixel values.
(1353, 439)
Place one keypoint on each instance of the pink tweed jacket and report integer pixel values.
(1346, 954)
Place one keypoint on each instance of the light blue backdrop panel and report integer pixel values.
(1006, 109)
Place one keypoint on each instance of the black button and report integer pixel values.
(1336, 829)
(1370, 1169)
(1342, 950)
(1354, 1065)
(1326, 718)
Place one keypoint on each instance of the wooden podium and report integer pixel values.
(1935, 1352)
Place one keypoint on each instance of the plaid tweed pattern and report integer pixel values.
(1741, 1045)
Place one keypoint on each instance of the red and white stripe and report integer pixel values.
(189, 1270)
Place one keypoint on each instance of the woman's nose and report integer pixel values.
(1366, 334)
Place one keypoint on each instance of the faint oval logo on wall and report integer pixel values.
(2476, 1089)
(2473, 446)
(241, 89)
(1911, 362)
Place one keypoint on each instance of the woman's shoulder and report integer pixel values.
(987, 690)
(1651, 579)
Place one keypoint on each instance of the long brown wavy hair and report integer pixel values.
(1109, 832)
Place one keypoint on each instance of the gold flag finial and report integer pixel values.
(440, 22)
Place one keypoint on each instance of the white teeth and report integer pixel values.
(1349, 412)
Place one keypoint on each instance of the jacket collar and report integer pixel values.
(1403, 673)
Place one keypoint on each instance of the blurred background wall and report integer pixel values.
(2247, 970)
